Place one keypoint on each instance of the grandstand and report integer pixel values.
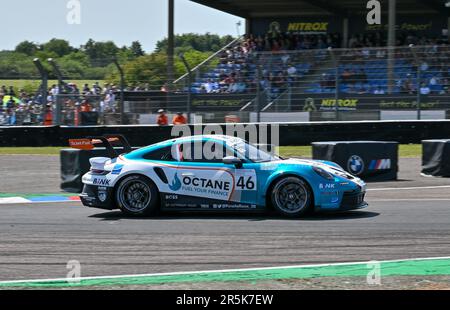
(305, 60)
(297, 50)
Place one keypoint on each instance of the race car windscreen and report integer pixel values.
(251, 152)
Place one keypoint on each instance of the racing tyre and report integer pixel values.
(137, 196)
(291, 197)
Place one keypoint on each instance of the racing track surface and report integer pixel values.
(37, 241)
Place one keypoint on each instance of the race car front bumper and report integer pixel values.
(98, 197)
(350, 200)
(353, 200)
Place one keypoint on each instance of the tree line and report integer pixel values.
(94, 60)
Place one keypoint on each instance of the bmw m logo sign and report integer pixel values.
(355, 165)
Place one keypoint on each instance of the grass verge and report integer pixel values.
(405, 150)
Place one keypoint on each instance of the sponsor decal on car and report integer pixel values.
(103, 182)
(102, 196)
(327, 186)
(208, 183)
(117, 169)
(206, 186)
(176, 183)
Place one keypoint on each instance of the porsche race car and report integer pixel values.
(179, 175)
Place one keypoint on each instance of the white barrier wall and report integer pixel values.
(411, 115)
(270, 117)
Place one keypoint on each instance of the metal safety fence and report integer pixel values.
(239, 84)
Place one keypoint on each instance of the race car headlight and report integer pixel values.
(324, 174)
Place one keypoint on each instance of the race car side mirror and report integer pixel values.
(231, 160)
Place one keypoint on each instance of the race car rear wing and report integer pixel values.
(107, 141)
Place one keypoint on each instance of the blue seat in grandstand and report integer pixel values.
(436, 88)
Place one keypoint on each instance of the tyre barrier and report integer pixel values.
(369, 160)
(436, 158)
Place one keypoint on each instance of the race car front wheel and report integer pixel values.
(138, 196)
(291, 197)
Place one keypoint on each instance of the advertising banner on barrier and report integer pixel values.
(347, 102)
(299, 102)
(296, 24)
(368, 160)
(425, 25)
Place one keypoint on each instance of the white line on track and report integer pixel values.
(410, 199)
(26, 202)
(228, 270)
(407, 188)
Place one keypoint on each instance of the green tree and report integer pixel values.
(27, 48)
(100, 53)
(58, 46)
(16, 65)
(200, 42)
(152, 69)
(136, 49)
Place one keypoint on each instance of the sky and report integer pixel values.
(117, 20)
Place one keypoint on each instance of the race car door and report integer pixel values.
(204, 181)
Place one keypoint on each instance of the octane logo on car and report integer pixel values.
(355, 165)
(176, 183)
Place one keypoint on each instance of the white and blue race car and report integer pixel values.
(179, 175)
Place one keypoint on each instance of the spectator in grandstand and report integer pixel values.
(237, 87)
(406, 86)
(264, 83)
(365, 52)
(48, 118)
(11, 91)
(292, 71)
(96, 89)
(360, 77)
(54, 90)
(347, 76)
(165, 88)
(179, 119)
(162, 119)
(433, 81)
(424, 66)
(424, 89)
(86, 106)
(379, 91)
(211, 86)
(10, 104)
(326, 81)
(109, 101)
(86, 89)
(381, 53)
(3, 120)
(10, 117)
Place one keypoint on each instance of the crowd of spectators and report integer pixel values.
(419, 68)
(19, 107)
(236, 71)
(22, 108)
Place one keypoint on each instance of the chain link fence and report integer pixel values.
(237, 84)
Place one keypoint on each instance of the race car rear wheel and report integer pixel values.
(137, 195)
(291, 197)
